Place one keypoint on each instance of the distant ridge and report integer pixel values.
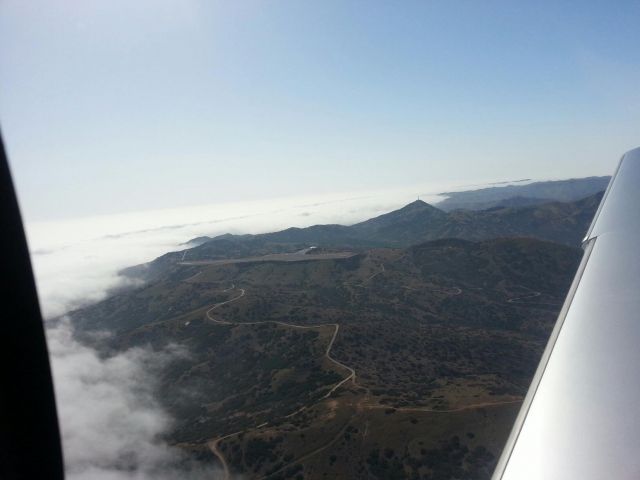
(194, 242)
(556, 190)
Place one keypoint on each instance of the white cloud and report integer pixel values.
(111, 424)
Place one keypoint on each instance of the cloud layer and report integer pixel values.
(111, 424)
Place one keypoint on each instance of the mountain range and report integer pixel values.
(398, 347)
(524, 194)
(560, 222)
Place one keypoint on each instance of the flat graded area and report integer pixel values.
(274, 257)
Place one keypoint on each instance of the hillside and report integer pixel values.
(334, 367)
(398, 347)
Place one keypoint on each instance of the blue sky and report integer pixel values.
(110, 106)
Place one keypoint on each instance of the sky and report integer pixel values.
(110, 106)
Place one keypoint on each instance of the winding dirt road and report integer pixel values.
(452, 410)
(312, 453)
(524, 297)
(327, 353)
(213, 444)
(526, 300)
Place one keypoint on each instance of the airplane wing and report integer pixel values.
(581, 416)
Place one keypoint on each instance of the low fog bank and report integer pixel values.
(111, 424)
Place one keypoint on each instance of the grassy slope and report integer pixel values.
(447, 325)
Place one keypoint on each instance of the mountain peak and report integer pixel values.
(416, 216)
(417, 205)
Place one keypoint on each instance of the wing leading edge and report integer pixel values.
(581, 416)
